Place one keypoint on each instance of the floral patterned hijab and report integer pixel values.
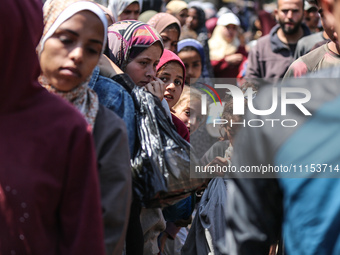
(128, 38)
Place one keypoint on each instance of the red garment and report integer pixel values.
(49, 194)
(182, 129)
(223, 70)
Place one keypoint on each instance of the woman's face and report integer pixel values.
(229, 32)
(182, 16)
(172, 76)
(142, 69)
(131, 12)
(72, 52)
(170, 39)
(192, 19)
(193, 65)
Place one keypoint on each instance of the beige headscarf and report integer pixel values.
(176, 6)
(161, 20)
(55, 13)
(219, 47)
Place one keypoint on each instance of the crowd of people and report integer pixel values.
(99, 106)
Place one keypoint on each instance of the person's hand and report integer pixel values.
(162, 241)
(156, 87)
(219, 161)
(107, 67)
(234, 59)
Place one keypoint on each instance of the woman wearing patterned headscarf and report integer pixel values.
(73, 40)
(136, 48)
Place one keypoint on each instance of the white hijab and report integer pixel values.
(118, 6)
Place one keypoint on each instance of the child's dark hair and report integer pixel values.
(190, 48)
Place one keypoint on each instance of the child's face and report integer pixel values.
(232, 131)
(170, 39)
(193, 65)
(172, 76)
(190, 114)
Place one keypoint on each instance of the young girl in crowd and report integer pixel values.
(226, 53)
(49, 192)
(196, 22)
(136, 48)
(171, 71)
(74, 37)
(125, 9)
(206, 228)
(168, 27)
(188, 108)
(191, 53)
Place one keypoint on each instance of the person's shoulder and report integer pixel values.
(109, 118)
(264, 39)
(60, 111)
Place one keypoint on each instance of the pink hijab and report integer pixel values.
(169, 56)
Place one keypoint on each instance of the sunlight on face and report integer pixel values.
(72, 52)
(142, 69)
(172, 76)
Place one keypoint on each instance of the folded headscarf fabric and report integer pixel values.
(128, 34)
(55, 13)
(169, 56)
(162, 20)
(118, 6)
(193, 43)
(176, 6)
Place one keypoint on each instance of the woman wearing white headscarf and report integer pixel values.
(226, 53)
(125, 9)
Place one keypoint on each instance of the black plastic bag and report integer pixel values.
(161, 167)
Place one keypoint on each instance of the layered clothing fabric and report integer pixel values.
(127, 39)
(118, 6)
(109, 133)
(303, 204)
(270, 58)
(49, 194)
(162, 20)
(57, 12)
